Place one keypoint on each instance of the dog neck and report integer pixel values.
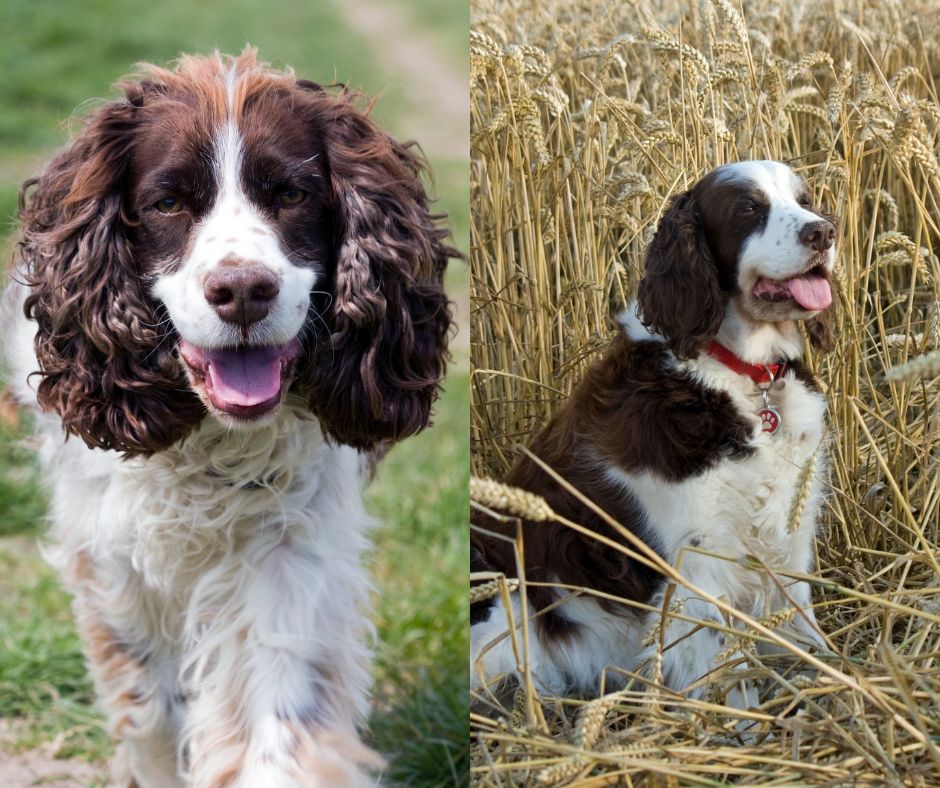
(758, 342)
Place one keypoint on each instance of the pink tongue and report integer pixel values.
(810, 292)
(244, 377)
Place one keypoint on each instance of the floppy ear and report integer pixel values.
(376, 375)
(104, 365)
(680, 296)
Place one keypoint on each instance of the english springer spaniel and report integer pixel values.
(228, 289)
(691, 431)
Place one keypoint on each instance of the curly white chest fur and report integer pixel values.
(171, 517)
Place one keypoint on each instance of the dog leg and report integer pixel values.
(137, 696)
(691, 650)
(278, 671)
(495, 644)
(804, 622)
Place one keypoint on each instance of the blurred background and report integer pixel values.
(58, 63)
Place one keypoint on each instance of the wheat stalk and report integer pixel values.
(503, 498)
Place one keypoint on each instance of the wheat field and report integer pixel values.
(586, 117)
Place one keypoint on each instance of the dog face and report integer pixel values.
(235, 232)
(222, 236)
(746, 231)
(759, 222)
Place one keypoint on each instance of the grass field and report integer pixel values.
(54, 58)
(586, 117)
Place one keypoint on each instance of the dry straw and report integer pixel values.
(587, 116)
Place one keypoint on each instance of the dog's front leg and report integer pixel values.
(693, 649)
(278, 671)
(134, 676)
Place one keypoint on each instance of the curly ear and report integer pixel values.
(377, 374)
(104, 365)
(680, 296)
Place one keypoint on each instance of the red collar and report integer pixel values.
(759, 373)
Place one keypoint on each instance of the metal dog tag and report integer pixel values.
(770, 419)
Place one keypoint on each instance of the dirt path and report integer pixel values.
(436, 90)
(38, 767)
(435, 87)
(41, 767)
(438, 114)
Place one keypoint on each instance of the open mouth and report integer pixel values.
(245, 382)
(810, 290)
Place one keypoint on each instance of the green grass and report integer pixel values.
(43, 683)
(421, 555)
(21, 502)
(55, 58)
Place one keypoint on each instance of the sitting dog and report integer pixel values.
(691, 431)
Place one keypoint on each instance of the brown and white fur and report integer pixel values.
(668, 441)
(228, 293)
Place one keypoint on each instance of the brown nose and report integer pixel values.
(241, 295)
(819, 235)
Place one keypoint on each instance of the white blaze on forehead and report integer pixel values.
(231, 77)
(776, 180)
(228, 155)
(228, 147)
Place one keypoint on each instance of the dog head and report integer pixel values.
(746, 231)
(224, 235)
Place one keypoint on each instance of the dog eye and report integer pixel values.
(749, 206)
(168, 205)
(805, 201)
(292, 196)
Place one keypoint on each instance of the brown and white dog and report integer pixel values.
(228, 288)
(678, 434)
